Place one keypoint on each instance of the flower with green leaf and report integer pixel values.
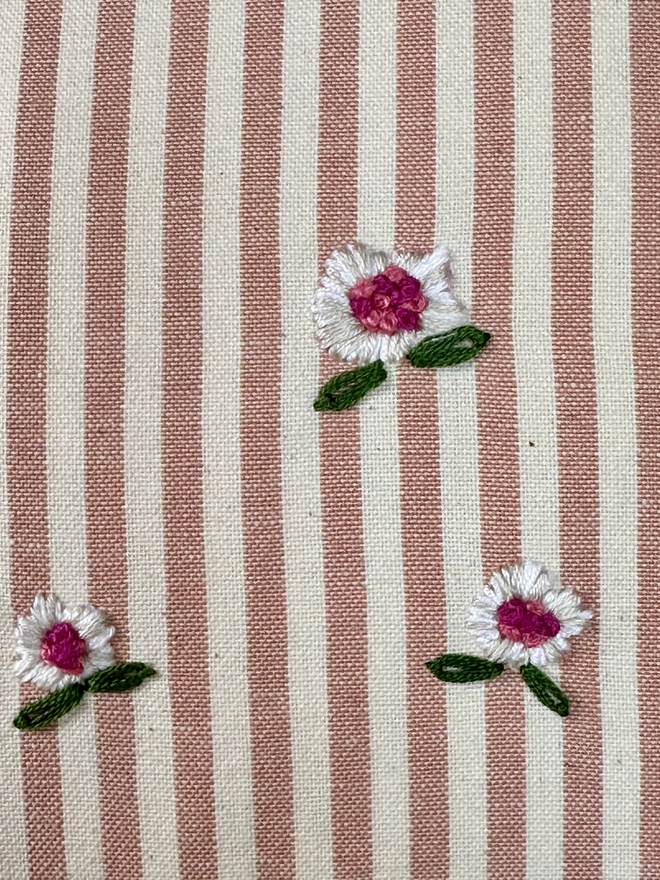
(66, 650)
(522, 620)
(375, 307)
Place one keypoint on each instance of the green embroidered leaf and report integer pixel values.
(344, 391)
(544, 689)
(463, 667)
(120, 677)
(448, 349)
(43, 712)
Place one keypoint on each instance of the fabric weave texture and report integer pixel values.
(173, 177)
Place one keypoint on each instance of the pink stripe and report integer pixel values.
(26, 404)
(645, 63)
(577, 424)
(416, 131)
(421, 512)
(261, 450)
(188, 637)
(496, 392)
(104, 401)
(346, 603)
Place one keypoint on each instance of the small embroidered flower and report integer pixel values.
(523, 619)
(524, 616)
(375, 307)
(58, 644)
(66, 649)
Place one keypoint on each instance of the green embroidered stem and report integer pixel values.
(448, 349)
(118, 678)
(463, 667)
(544, 689)
(344, 391)
(43, 712)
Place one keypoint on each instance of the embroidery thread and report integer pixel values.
(375, 307)
(67, 650)
(523, 619)
(346, 389)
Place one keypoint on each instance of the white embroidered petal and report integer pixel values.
(480, 616)
(441, 318)
(345, 267)
(564, 603)
(497, 593)
(103, 656)
(432, 266)
(505, 654)
(538, 656)
(513, 577)
(533, 582)
(406, 261)
(86, 615)
(99, 659)
(510, 650)
(500, 587)
(493, 649)
(358, 262)
(25, 663)
(99, 642)
(560, 641)
(517, 653)
(371, 261)
(483, 639)
(48, 677)
(91, 622)
(573, 626)
(29, 633)
(488, 599)
(553, 650)
(490, 644)
(44, 611)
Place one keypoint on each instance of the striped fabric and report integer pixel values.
(173, 175)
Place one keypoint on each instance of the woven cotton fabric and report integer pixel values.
(173, 176)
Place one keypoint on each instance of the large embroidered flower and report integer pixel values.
(377, 305)
(58, 644)
(525, 617)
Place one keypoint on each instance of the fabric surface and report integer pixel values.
(173, 176)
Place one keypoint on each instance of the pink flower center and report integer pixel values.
(63, 647)
(388, 302)
(526, 622)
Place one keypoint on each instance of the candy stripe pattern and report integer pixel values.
(174, 178)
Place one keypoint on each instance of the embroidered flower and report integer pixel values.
(59, 644)
(66, 649)
(524, 616)
(523, 619)
(378, 306)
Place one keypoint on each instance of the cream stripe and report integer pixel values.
(380, 463)
(616, 437)
(532, 339)
(66, 302)
(301, 487)
(466, 732)
(13, 856)
(142, 436)
(221, 428)
(65, 409)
